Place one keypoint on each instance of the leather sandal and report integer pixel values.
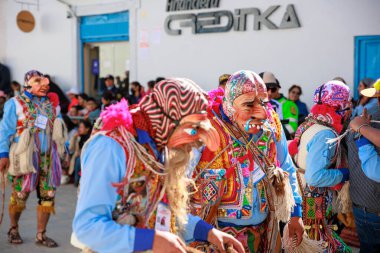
(14, 236)
(43, 240)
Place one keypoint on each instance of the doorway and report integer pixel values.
(101, 59)
(105, 49)
(367, 59)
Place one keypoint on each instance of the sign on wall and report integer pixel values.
(211, 22)
(25, 21)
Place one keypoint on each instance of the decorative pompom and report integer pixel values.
(293, 147)
(117, 115)
(54, 99)
(215, 98)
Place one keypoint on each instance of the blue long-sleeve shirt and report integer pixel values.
(372, 108)
(369, 158)
(9, 124)
(103, 162)
(318, 160)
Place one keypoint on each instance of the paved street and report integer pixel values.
(59, 227)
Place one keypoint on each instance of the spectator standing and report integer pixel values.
(5, 78)
(73, 96)
(223, 80)
(107, 99)
(82, 101)
(294, 95)
(76, 145)
(63, 100)
(159, 79)
(136, 93)
(365, 102)
(151, 85)
(364, 165)
(110, 84)
(93, 110)
(286, 109)
(3, 99)
(15, 89)
(119, 83)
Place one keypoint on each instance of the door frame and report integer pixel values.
(358, 42)
(99, 39)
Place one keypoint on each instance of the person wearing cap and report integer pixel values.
(134, 193)
(322, 167)
(364, 163)
(286, 109)
(365, 102)
(223, 80)
(237, 189)
(73, 93)
(31, 144)
(110, 84)
(3, 99)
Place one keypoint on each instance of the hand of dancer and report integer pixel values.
(220, 239)
(296, 228)
(165, 242)
(360, 120)
(4, 164)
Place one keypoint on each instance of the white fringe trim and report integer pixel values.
(59, 135)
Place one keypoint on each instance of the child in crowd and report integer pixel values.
(76, 144)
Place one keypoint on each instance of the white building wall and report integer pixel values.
(49, 47)
(3, 29)
(321, 49)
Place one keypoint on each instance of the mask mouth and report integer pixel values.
(250, 126)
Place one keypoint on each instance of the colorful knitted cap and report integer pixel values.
(333, 93)
(239, 83)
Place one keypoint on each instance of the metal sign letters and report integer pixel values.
(211, 22)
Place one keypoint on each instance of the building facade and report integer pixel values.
(301, 42)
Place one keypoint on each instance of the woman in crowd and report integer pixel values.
(82, 100)
(93, 110)
(136, 93)
(294, 95)
(107, 99)
(76, 144)
(365, 102)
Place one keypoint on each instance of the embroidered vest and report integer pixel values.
(27, 111)
(237, 198)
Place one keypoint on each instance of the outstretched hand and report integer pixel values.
(165, 242)
(220, 239)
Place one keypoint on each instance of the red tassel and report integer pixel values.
(293, 147)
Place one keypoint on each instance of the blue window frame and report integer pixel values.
(106, 27)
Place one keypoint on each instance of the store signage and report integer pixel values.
(211, 22)
(186, 5)
(25, 21)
